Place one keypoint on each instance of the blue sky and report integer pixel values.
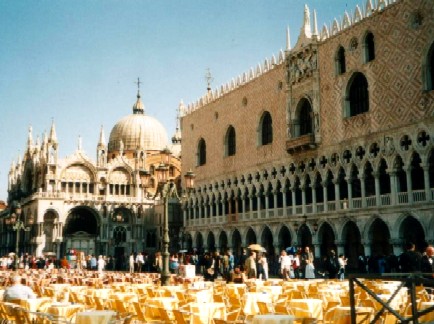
(75, 62)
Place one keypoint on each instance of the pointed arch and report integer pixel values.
(428, 69)
(304, 123)
(265, 129)
(340, 62)
(230, 142)
(201, 152)
(357, 95)
(412, 231)
(369, 47)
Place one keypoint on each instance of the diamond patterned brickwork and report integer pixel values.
(211, 122)
(394, 76)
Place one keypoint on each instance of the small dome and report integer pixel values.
(138, 131)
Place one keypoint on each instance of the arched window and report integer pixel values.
(358, 96)
(430, 69)
(201, 152)
(230, 142)
(305, 117)
(266, 128)
(369, 47)
(340, 61)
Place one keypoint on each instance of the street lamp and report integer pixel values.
(166, 189)
(18, 226)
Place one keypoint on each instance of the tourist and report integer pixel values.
(131, 263)
(140, 261)
(101, 263)
(285, 265)
(332, 265)
(427, 262)
(18, 291)
(250, 265)
(342, 263)
(410, 260)
(307, 259)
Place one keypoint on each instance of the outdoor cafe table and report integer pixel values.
(273, 319)
(342, 314)
(94, 317)
(65, 310)
(34, 304)
(251, 299)
(310, 305)
(204, 312)
(430, 316)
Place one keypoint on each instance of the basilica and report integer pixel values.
(327, 144)
(95, 207)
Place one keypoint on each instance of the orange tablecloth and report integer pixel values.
(251, 299)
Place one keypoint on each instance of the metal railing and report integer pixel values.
(409, 280)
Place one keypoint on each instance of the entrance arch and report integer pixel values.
(267, 241)
(211, 242)
(379, 236)
(411, 231)
(236, 243)
(223, 242)
(81, 230)
(353, 244)
(327, 238)
(285, 238)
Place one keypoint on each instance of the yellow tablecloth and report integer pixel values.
(251, 299)
(430, 316)
(65, 310)
(205, 312)
(342, 314)
(34, 305)
(167, 303)
(312, 306)
(273, 319)
(94, 317)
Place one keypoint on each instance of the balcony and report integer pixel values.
(301, 143)
(412, 198)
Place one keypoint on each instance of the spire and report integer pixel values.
(288, 39)
(80, 143)
(177, 136)
(315, 25)
(306, 26)
(101, 142)
(138, 107)
(53, 136)
(305, 33)
(29, 138)
(208, 79)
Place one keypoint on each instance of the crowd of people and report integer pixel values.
(291, 263)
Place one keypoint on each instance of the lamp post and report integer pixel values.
(166, 189)
(18, 226)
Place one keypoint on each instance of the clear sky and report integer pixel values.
(75, 62)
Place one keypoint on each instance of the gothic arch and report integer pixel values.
(411, 230)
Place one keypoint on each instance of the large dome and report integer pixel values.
(138, 131)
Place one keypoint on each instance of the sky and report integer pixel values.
(77, 62)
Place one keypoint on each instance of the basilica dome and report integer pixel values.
(138, 131)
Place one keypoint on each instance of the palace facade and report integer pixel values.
(96, 207)
(328, 144)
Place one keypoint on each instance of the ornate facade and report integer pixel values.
(330, 144)
(98, 207)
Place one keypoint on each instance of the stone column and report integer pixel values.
(314, 208)
(363, 190)
(324, 190)
(426, 182)
(350, 192)
(294, 210)
(377, 188)
(303, 198)
(337, 194)
(409, 185)
(393, 193)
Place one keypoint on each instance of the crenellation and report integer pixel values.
(369, 8)
(335, 29)
(346, 22)
(358, 16)
(324, 33)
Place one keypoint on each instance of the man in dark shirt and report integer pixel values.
(428, 260)
(410, 260)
